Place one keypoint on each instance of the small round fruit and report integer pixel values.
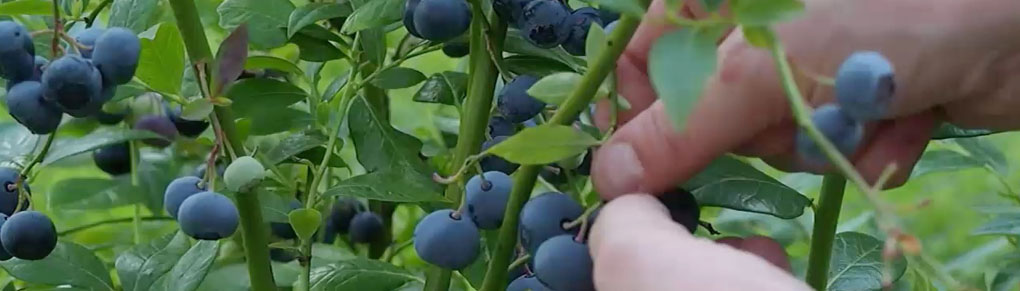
(74, 85)
(493, 162)
(28, 235)
(343, 212)
(563, 263)
(542, 23)
(837, 126)
(283, 229)
(608, 16)
(114, 159)
(188, 128)
(514, 102)
(456, 49)
(208, 216)
(511, 11)
(486, 200)
(578, 24)
(543, 217)
(200, 170)
(243, 173)
(4, 255)
(17, 61)
(39, 64)
(527, 282)
(445, 241)
(26, 105)
(409, 7)
(442, 20)
(366, 227)
(179, 190)
(865, 85)
(9, 191)
(109, 118)
(87, 38)
(116, 55)
(683, 208)
(500, 126)
(159, 125)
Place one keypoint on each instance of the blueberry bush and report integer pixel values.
(430, 145)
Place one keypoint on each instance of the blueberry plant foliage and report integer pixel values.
(398, 145)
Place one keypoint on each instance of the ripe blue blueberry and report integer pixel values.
(188, 128)
(865, 85)
(578, 23)
(159, 125)
(838, 127)
(683, 208)
(500, 126)
(26, 105)
(447, 241)
(527, 282)
(542, 23)
(283, 229)
(114, 159)
(208, 216)
(40, 63)
(9, 191)
(563, 263)
(116, 55)
(511, 11)
(409, 7)
(515, 104)
(17, 61)
(4, 255)
(331, 233)
(28, 235)
(493, 162)
(110, 118)
(74, 85)
(456, 49)
(343, 212)
(366, 227)
(486, 200)
(543, 217)
(442, 20)
(608, 16)
(88, 37)
(179, 190)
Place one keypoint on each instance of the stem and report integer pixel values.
(600, 67)
(41, 155)
(95, 12)
(58, 28)
(830, 201)
(253, 229)
(135, 158)
(112, 221)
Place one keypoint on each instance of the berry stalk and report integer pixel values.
(830, 201)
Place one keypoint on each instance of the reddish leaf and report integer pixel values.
(230, 58)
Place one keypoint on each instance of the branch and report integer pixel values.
(830, 202)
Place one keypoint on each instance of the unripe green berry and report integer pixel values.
(244, 173)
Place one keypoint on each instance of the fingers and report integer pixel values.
(630, 226)
(898, 142)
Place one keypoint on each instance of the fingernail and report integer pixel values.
(619, 170)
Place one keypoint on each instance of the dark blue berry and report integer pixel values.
(343, 212)
(511, 11)
(208, 216)
(515, 104)
(486, 200)
(366, 227)
(445, 241)
(493, 162)
(74, 85)
(88, 37)
(579, 22)
(442, 20)
(542, 23)
(159, 125)
(500, 126)
(188, 128)
(114, 159)
(865, 85)
(527, 282)
(563, 263)
(17, 52)
(543, 217)
(4, 255)
(456, 49)
(28, 235)
(409, 7)
(116, 55)
(9, 190)
(179, 190)
(26, 105)
(837, 126)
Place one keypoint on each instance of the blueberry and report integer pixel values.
(331, 233)
(179, 190)
(159, 125)
(114, 159)
(683, 208)
(500, 126)
(208, 216)
(543, 217)
(578, 24)
(188, 128)
(343, 212)
(496, 163)
(28, 235)
(456, 49)
(527, 282)
(17, 61)
(442, 20)
(9, 191)
(865, 85)
(110, 118)
(4, 255)
(608, 16)
(511, 11)
(281, 255)
(200, 170)
(486, 200)
(87, 37)
(445, 241)
(515, 104)
(116, 55)
(564, 264)
(542, 23)
(74, 85)
(366, 227)
(40, 63)
(409, 7)
(26, 105)
(838, 127)
(283, 229)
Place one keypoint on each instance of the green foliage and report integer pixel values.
(857, 263)
(543, 144)
(679, 65)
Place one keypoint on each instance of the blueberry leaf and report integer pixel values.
(947, 131)
(91, 193)
(445, 88)
(758, 12)
(361, 274)
(230, 58)
(395, 185)
(66, 147)
(136, 15)
(193, 266)
(533, 65)
(197, 109)
(292, 145)
(986, 152)
(515, 43)
(555, 88)
(77, 267)
(264, 19)
(253, 97)
(16, 142)
(314, 49)
(679, 66)
(596, 41)
(944, 161)
(313, 12)
(161, 63)
(543, 144)
(1006, 225)
(271, 62)
(857, 263)
(305, 222)
(730, 183)
(143, 265)
(759, 36)
(398, 78)
(27, 7)
(376, 13)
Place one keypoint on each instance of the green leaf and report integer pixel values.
(68, 264)
(554, 89)
(759, 36)
(91, 193)
(515, 43)
(630, 7)
(161, 63)
(596, 41)
(1006, 224)
(230, 59)
(547, 143)
(143, 265)
(730, 183)
(305, 222)
(857, 263)
(234, 277)
(379, 145)
(765, 12)
(943, 161)
(361, 274)
(313, 12)
(294, 144)
(154, 175)
(315, 155)
(258, 95)
(27, 7)
(197, 109)
(398, 78)
(192, 268)
(314, 49)
(679, 66)
(445, 88)
(375, 13)
(533, 65)
(136, 15)
(395, 185)
(66, 147)
(271, 62)
(16, 142)
(265, 19)
(985, 152)
(263, 122)
(947, 131)
(712, 5)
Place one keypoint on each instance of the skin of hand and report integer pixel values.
(955, 61)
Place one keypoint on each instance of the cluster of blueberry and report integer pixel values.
(115, 159)
(439, 21)
(549, 23)
(27, 235)
(348, 216)
(39, 93)
(864, 88)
